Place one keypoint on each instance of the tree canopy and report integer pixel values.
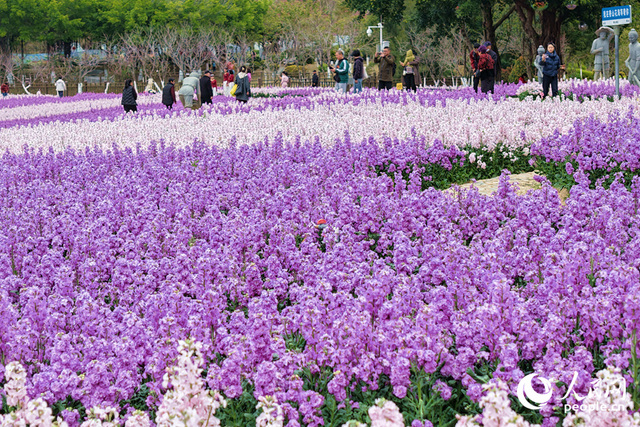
(55, 21)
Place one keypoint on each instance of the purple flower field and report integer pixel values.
(110, 256)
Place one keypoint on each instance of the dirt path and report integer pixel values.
(525, 183)
(488, 186)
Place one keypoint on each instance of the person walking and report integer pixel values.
(243, 91)
(410, 74)
(550, 66)
(190, 86)
(485, 66)
(315, 79)
(358, 71)
(206, 92)
(386, 68)
(341, 71)
(61, 87)
(473, 61)
(129, 97)
(4, 89)
(169, 94)
(492, 74)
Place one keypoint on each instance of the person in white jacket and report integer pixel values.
(60, 87)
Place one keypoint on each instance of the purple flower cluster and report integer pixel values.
(599, 89)
(595, 147)
(109, 258)
(32, 100)
(301, 98)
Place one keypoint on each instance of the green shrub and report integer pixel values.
(519, 68)
(294, 70)
(573, 72)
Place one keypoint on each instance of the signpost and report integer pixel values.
(615, 17)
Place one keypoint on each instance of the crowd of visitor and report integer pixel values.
(200, 88)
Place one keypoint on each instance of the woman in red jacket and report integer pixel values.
(485, 65)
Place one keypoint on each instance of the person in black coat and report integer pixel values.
(169, 94)
(315, 80)
(358, 71)
(206, 92)
(243, 91)
(129, 97)
(492, 74)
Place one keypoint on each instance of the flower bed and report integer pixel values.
(581, 90)
(119, 245)
(594, 150)
(111, 257)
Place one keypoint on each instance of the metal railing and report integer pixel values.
(257, 81)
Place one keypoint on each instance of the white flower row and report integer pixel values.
(479, 123)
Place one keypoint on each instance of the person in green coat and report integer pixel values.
(341, 71)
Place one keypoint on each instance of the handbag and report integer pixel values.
(233, 90)
(336, 77)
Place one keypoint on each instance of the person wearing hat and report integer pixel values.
(473, 61)
(206, 92)
(600, 48)
(633, 61)
(550, 66)
(492, 73)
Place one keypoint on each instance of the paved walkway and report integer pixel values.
(525, 183)
(488, 186)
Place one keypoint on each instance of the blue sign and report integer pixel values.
(617, 15)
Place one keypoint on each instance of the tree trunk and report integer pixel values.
(67, 49)
(551, 23)
(551, 26)
(490, 28)
(490, 35)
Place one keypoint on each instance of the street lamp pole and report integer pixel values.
(370, 33)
